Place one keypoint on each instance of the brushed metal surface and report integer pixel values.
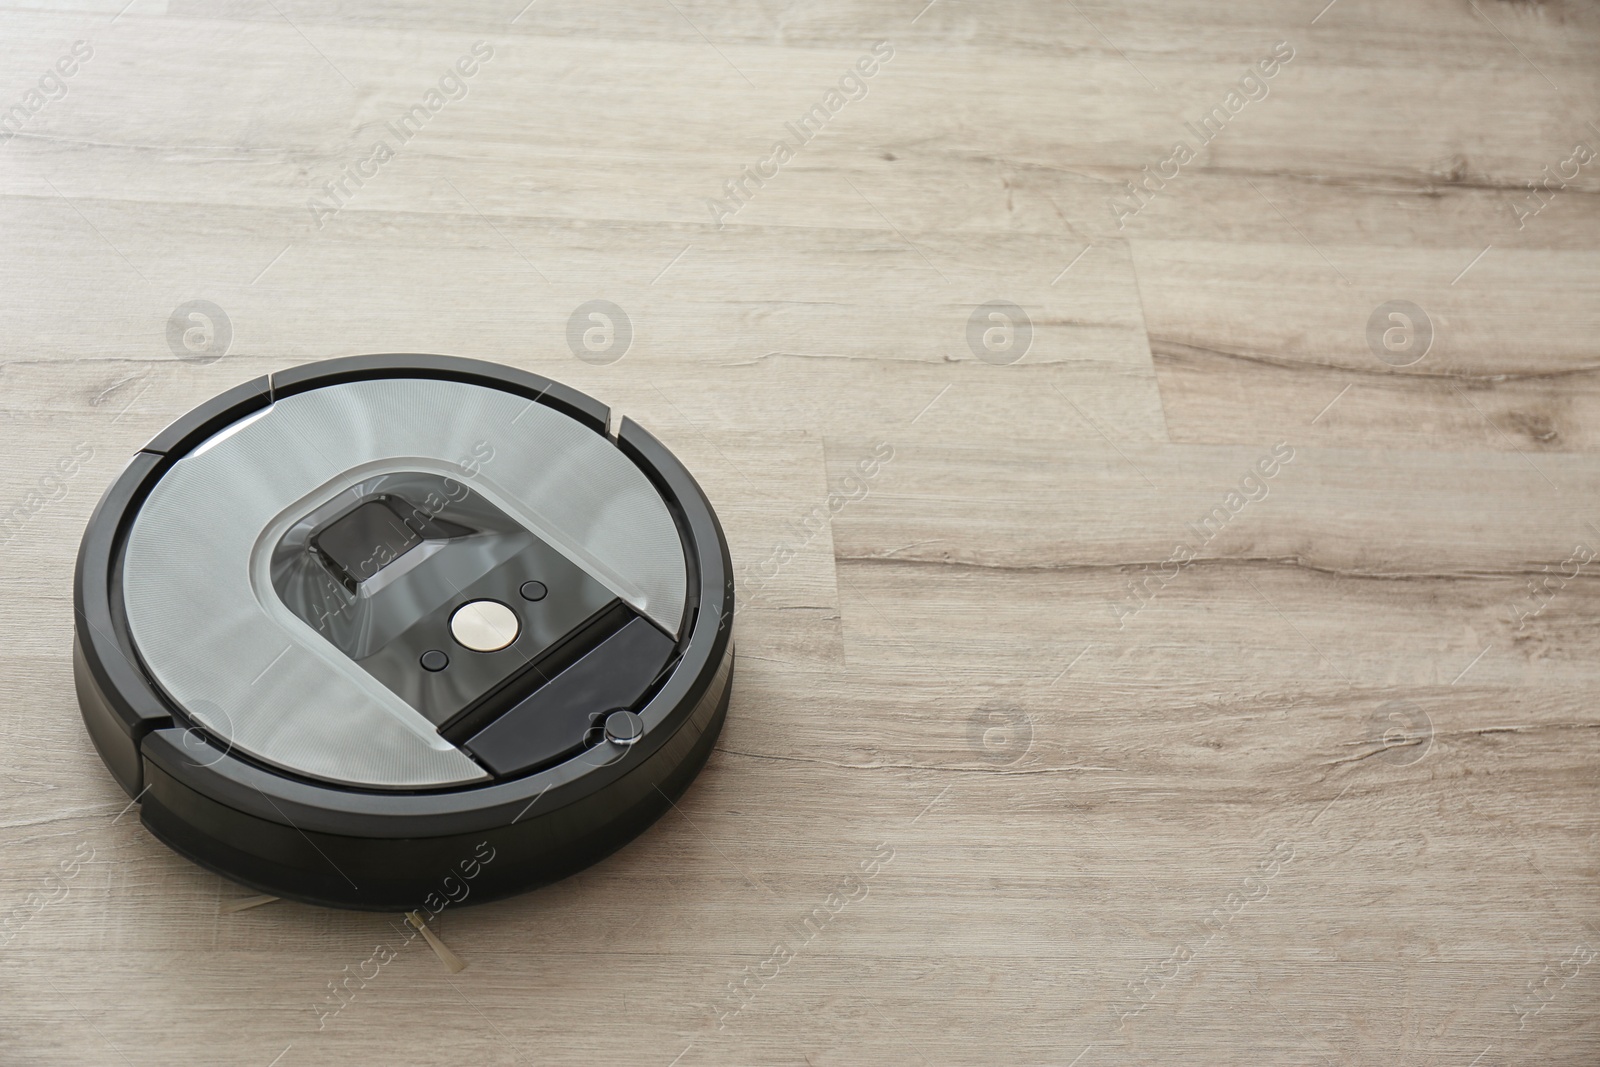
(206, 619)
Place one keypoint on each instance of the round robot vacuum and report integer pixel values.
(386, 631)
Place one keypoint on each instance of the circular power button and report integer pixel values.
(623, 727)
(484, 625)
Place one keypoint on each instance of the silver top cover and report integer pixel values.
(210, 627)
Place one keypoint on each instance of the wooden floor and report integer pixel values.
(1204, 671)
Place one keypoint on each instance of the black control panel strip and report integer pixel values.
(553, 721)
(579, 642)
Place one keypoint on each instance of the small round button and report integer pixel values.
(624, 727)
(434, 660)
(484, 625)
(533, 590)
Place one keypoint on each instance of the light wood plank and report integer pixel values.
(1350, 666)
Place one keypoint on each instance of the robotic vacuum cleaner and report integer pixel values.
(378, 631)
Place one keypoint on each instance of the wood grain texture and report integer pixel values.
(1176, 761)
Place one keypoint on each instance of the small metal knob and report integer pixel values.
(624, 728)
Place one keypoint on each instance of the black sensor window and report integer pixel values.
(366, 540)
